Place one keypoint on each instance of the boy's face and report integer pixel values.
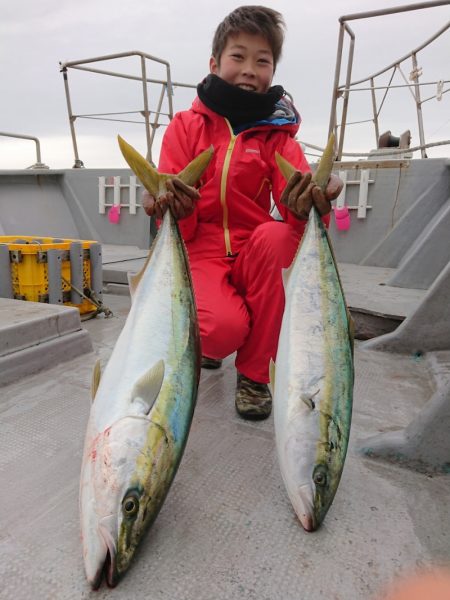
(246, 61)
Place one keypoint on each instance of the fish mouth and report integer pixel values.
(303, 505)
(108, 570)
(108, 563)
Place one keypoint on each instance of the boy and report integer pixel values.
(236, 249)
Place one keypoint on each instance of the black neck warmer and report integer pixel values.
(237, 105)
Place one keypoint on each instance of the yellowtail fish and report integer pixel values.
(144, 401)
(312, 382)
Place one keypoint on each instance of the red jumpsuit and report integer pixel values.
(236, 249)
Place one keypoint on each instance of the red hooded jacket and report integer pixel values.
(236, 186)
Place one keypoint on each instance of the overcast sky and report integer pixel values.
(36, 36)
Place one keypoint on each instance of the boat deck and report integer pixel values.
(376, 307)
(227, 529)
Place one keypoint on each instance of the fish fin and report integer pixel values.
(285, 274)
(154, 181)
(324, 168)
(309, 402)
(96, 375)
(286, 168)
(147, 388)
(147, 174)
(194, 170)
(135, 278)
(272, 376)
(351, 331)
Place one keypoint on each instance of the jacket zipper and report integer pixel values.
(223, 190)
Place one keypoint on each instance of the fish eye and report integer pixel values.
(130, 505)
(320, 477)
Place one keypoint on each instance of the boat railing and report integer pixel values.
(151, 117)
(413, 85)
(38, 164)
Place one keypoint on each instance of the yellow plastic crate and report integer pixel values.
(29, 269)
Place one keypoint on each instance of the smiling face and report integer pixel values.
(246, 61)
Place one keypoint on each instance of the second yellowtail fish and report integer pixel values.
(312, 382)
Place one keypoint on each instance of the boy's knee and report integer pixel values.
(276, 239)
(223, 333)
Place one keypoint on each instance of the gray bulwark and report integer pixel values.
(425, 442)
(36, 336)
(427, 329)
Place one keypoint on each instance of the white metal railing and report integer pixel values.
(343, 91)
(150, 124)
(38, 164)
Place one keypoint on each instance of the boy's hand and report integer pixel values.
(301, 193)
(179, 198)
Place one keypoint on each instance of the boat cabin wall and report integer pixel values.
(65, 204)
(406, 216)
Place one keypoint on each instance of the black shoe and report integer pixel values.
(253, 400)
(211, 363)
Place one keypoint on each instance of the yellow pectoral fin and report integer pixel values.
(154, 181)
(96, 375)
(323, 171)
(192, 173)
(147, 174)
(287, 170)
(325, 166)
(272, 376)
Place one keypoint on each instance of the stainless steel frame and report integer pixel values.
(38, 164)
(344, 90)
(150, 126)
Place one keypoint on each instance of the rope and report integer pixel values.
(93, 299)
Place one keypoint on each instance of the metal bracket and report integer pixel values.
(15, 256)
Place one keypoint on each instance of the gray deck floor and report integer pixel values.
(365, 287)
(227, 530)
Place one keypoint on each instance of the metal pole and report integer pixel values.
(375, 114)
(146, 113)
(78, 163)
(39, 164)
(169, 92)
(393, 10)
(155, 123)
(133, 77)
(347, 94)
(337, 73)
(419, 106)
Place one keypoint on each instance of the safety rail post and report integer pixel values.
(347, 90)
(415, 78)
(167, 86)
(338, 91)
(38, 164)
(78, 163)
(146, 113)
(375, 113)
(337, 73)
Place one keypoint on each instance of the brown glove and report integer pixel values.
(301, 193)
(179, 198)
